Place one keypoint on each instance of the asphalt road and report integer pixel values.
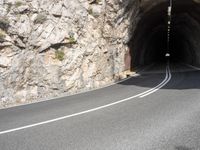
(118, 117)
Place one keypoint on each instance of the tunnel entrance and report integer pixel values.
(149, 41)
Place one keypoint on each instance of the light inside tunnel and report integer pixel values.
(149, 41)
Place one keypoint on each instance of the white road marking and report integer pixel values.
(164, 82)
(95, 89)
(166, 77)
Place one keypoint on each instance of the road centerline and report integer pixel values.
(162, 84)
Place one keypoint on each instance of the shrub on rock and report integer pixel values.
(4, 23)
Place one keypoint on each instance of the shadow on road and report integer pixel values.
(182, 78)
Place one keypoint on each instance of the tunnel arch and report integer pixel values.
(148, 42)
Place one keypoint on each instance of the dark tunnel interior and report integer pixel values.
(149, 43)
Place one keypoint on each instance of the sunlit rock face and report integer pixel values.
(51, 47)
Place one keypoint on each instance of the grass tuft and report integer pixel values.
(2, 36)
(4, 23)
(18, 3)
(59, 55)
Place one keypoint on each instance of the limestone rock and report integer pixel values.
(86, 41)
(57, 9)
(23, 26)
(23, 8)
(5, 61)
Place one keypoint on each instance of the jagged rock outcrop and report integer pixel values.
(50, 47)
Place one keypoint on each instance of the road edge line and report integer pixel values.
(76, 114)
(43, 100)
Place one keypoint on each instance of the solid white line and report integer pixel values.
(81, 92)
(157, 87)
(161, 85)
(77, 114)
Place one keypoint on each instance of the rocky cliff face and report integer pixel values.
(50, 47)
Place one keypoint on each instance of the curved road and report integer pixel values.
(156, 110)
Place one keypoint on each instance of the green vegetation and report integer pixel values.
(18, 3)
(40, 19)
(4, 23)
(90, 11)
(2, 35)
(59, 55)
(98, 1)
(72, 40)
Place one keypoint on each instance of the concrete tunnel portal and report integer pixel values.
(149, 41)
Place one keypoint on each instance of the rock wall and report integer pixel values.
(51, 47)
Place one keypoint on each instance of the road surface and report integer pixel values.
(159, 109)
